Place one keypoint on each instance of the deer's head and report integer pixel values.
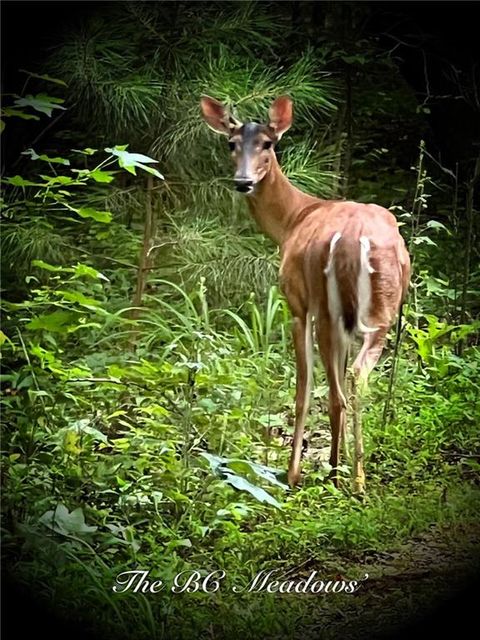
(251, 144)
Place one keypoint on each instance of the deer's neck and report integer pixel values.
(276, 204)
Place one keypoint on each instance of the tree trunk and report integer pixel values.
(145, 258)
(468, 252)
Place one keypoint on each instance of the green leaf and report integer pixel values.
(18, 181)
(83, 427)
(65, 523)
(257, 492)
(267, 473)
(87, 152)
(129, 158)
(57, 321)
(34, 156)
(44, 77)
(99, 216)
(102, 176)
(9, 112)
(117, 147)
(51, 180)
(151, 170)
(80, 298)
(424, 240)
(132, 161)
(44, 265)
(214, 461)
(434, 224)
(174, 544)
(223, 467)
(85, 270)
(41, 102)
(96, 174)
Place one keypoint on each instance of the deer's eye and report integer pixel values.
(267, 144)
(232, 145)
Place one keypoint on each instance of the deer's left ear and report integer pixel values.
(217, 116)
(281, 115)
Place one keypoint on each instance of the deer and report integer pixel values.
(344, 271)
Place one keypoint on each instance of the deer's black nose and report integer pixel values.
(244, 185)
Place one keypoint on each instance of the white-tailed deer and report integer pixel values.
(343, 264)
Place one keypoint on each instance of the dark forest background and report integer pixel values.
(147, 368)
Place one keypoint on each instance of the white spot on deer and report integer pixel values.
(364, 287)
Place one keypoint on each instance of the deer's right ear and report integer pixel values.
(217, 116)
(281, 115)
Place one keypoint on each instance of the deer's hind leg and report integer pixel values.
(333, 347)
(367, 358)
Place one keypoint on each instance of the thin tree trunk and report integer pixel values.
(347, 161)
(468, 252)
(145, 258)
(338, 153)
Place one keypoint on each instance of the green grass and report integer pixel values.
(120, 437)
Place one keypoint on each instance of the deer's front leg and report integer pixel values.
(302, 340)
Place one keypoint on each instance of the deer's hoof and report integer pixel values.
(293, 478)
(359, 487)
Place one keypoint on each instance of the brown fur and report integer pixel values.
(303, 226)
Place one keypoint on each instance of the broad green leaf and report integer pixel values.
(18, 181)
(151, 170)
(85, 270)
(51, 180)
(424, 240)
(129, 158)
(41, 102)
(34, 156)
(257, 492)
(9, 112)
(102, 176)
(434, 224)
(174, 544)
(65, 523)
(96, 174)
(80, 298)
(267, 473)
(69, 443)
(3, 338)
(223, 467)
(57, 321)
(99, 216)
(83, 427)
(44, 265)
(132, 161)
(214, 461)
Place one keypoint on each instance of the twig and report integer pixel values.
(109, 380)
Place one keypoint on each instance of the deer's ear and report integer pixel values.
(281, 115)
(217, 117)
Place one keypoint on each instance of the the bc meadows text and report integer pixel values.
(191, 581)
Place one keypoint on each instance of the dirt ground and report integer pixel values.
(432, 582)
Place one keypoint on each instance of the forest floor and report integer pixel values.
(434, 575)
(431, 577)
